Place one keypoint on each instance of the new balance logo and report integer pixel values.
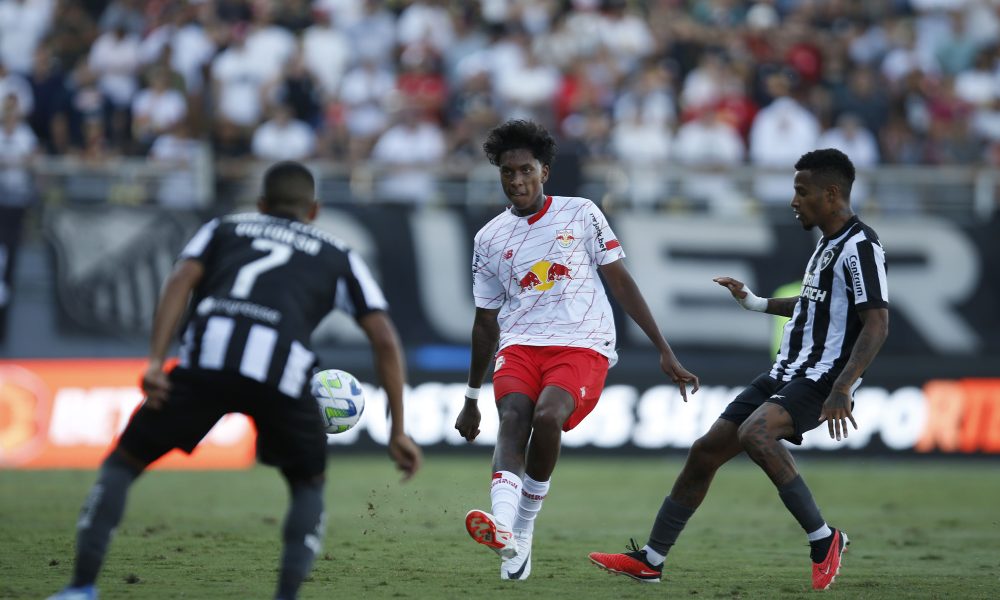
(778, 396)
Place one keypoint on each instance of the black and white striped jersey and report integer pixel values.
(845, 275)
(268, 283)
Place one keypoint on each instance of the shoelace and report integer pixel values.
(633, 548)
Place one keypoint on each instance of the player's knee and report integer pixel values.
(548, 419)
(746, 436)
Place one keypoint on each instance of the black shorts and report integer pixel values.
(802, 398)
(289, 430)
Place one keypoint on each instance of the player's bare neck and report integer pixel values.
(530, 209)
(836, 222)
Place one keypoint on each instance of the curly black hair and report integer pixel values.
(830, 165)
(518, 134)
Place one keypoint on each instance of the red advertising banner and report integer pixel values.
(65, 414)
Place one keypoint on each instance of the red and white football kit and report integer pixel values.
(556, 324)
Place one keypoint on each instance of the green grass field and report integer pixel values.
(920, 529)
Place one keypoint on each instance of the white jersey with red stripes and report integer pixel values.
(541, 272)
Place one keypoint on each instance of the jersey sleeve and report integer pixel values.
(601, 242)
(357, 292)
(864, 270)
(487, 289)
(200, 244)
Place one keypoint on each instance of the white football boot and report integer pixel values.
(518, 567)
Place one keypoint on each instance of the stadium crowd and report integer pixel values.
(412, 83)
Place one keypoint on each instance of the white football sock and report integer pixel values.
(820, 533)
(505, 491)
(532, 495)
(654, 557)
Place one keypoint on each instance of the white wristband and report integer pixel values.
(471, 392)
(752, 302)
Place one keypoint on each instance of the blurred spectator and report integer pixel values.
(782, 132)
(283, 137)
(299, 91)
(179, 151)
(156, 108)
(16, 85)
(405, 156)
(189, 45)
(956, 51)
(50, 119)
(642, 148)
(72, 33)
(424, 23)
(364, 94)
(17, 148)
(238, 80)
(124, 14)
(852, 138)
(114, 58)
(711, 145)
(326, 53)
(648, 96)
(370, 27)
(269, 46)
(23, 24)
(864, 96)
(624, 33)
(526, 90)
(421, 84)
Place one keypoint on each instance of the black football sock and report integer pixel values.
(799, 501)
(669, 523)
(303, 534)
(100, 514)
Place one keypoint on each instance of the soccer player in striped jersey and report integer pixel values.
(838, 322)
(253, 288)
(540, 300)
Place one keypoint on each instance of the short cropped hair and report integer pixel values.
(520, 134)
(829, 165)
(289, 185)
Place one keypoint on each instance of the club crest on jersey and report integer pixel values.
(565, 237)
(824, 261)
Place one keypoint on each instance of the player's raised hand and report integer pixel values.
(406, 454)
(735, 286)
(678, 374)
(155, 385)
(837, 412)
(468, 420)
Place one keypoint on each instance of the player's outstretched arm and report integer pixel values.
(837, 407)
(626, 292)
(782, 307)
(391, 368)
(169, 310)
(485, 336)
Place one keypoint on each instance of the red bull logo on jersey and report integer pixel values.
(543, 275)
(565, 237)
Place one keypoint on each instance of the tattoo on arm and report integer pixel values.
(865, 348)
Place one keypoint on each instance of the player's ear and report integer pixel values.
(313, 210)
(545, 173)
(261, 205)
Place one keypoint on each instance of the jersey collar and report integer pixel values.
(538, 215)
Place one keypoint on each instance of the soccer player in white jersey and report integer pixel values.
(540, 300)
(838, 323)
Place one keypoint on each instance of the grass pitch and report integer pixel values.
(919, 529)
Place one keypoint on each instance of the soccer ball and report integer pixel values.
(340, 397)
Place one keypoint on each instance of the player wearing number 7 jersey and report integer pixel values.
(255, 286)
